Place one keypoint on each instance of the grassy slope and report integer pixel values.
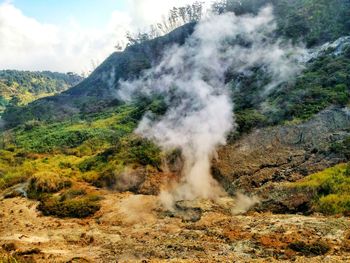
(56, 159)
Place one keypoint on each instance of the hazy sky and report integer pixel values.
(70, 35)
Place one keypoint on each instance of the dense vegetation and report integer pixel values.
(332, 187)
(311, 21)
(324, 82)
(21, 87)
(54, 158)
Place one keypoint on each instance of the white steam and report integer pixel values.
(191, 79)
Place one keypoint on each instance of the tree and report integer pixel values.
(177, 17)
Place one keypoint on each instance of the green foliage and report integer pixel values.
(131, 150)
(311, 21)
(49, 141)
(46, 182)
(12, 170)
(76, 207)
(142, 151)
(98, 129)
(21, 87)
(3, 101)
(95, 149)
(72, 193)
(332, 186)
(325, 82)
(248, 119)
(335, 204)
(342, 147)
(39, 82)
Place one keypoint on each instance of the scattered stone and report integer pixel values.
(9, 247)
(314, 249)
(28, 252)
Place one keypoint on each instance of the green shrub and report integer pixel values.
(342, 147)
(332, 189)
(142, 151)
(76, 208)
(46, 182)
(248, 119)
(9, 180)
(334, 204)
(72, 193)
(131, 150)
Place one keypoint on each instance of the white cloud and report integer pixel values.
(27, 44)
(145, 12)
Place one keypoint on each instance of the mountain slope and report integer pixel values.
(312, 22)
(18, 88)
(98, 91)
(74, 160)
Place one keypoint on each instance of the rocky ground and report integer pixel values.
(134, 228)
(283, 153)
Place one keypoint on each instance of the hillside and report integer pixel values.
(310, 22)
(227, 139)
(18, 88)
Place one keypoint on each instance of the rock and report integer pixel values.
(28, 252)
(9, 247)
(186, 210)
(282, 153)
(16, 191)
(284, 200)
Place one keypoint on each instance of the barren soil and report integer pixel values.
(132, 228)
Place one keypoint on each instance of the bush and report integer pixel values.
(332, 189)
(334, 204)
(342, 148)
(75, 208)
(46, 182)
(249, 119)
(11, 179)
(131, 150)
(142, 151)
(29, 125)
(72, 193)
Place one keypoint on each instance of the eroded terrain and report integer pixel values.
(131, 228)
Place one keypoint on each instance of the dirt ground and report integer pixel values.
(132, 228)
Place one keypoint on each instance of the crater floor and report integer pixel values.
(131, 228)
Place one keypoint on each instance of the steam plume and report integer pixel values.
(191, 78)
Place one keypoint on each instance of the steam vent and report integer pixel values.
(194, 132)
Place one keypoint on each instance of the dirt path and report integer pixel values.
(134, 229)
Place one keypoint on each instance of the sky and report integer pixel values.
(71, 35)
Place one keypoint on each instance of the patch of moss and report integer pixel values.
(72, 193)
